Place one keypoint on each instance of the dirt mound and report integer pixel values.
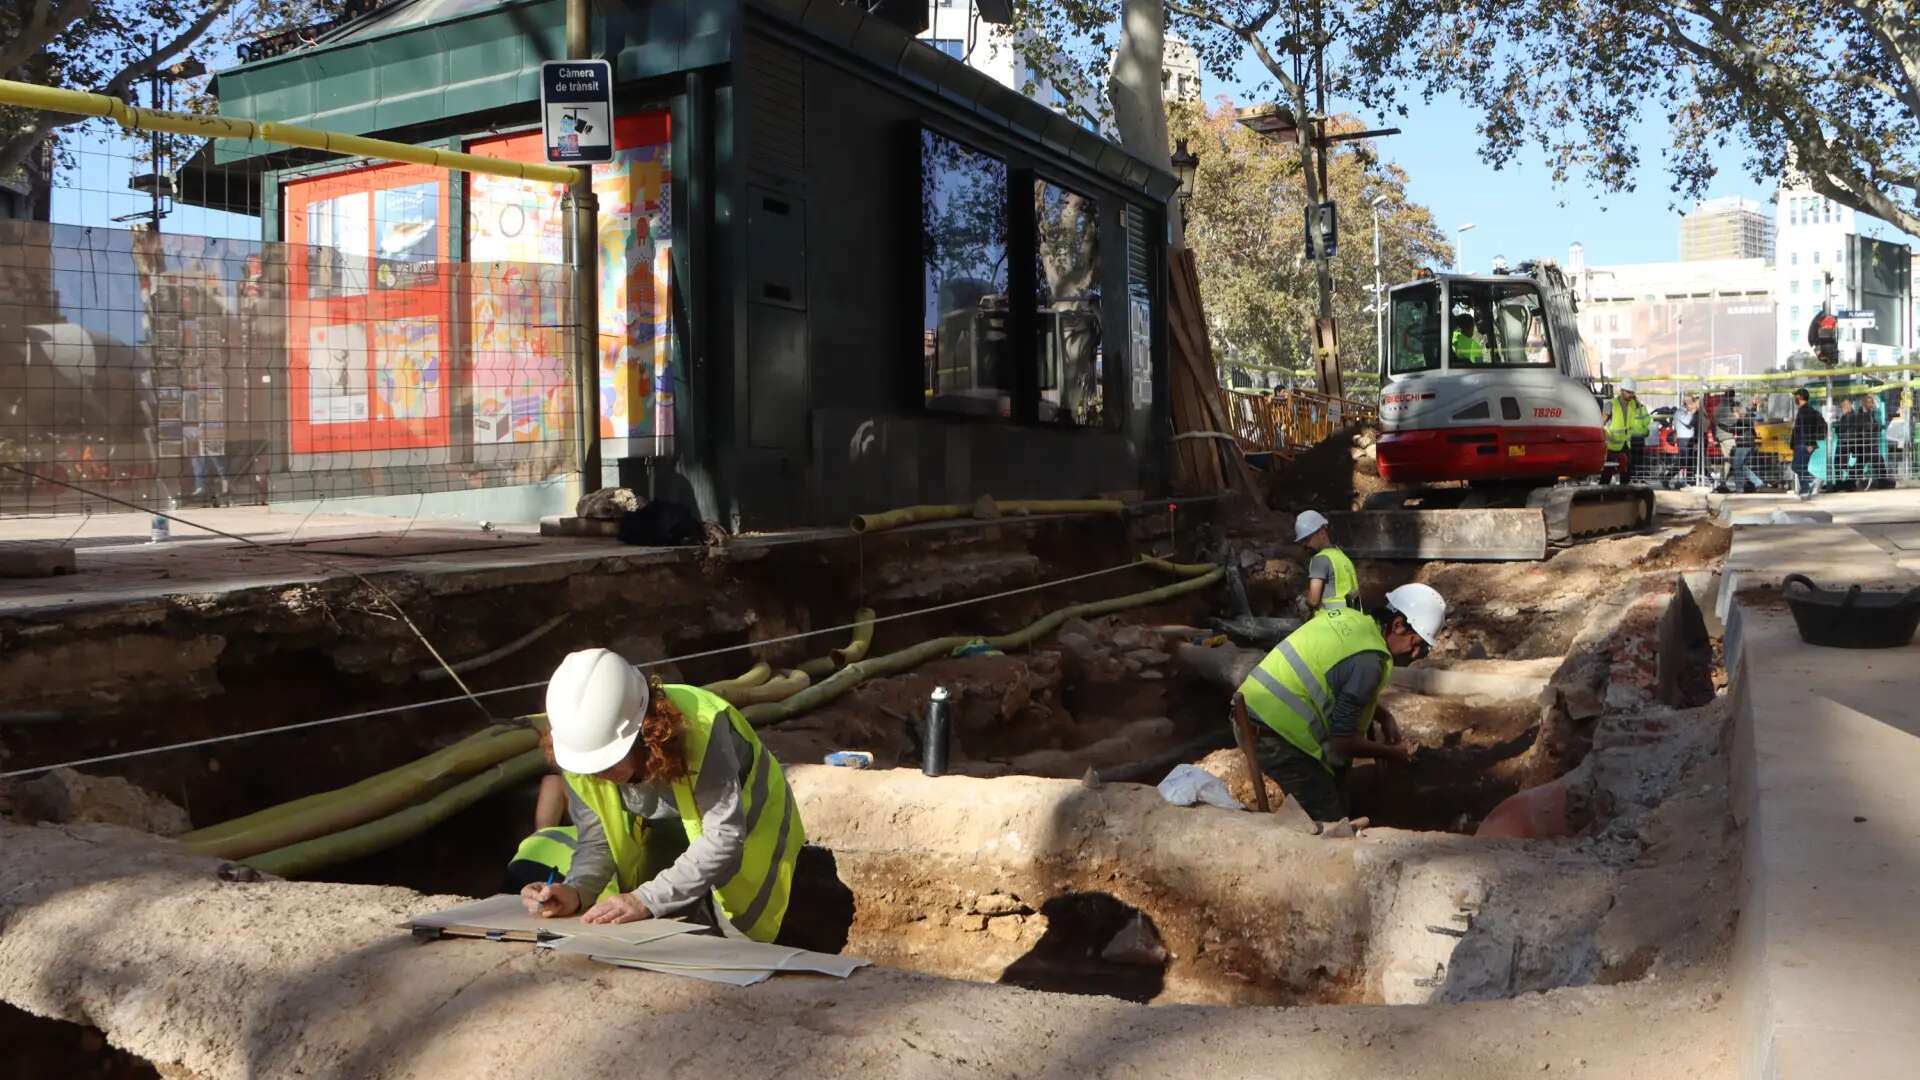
(1230, 766)
(1697, 549)
(1335, 475)
(64, 796)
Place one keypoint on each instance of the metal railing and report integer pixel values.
(1288, 420)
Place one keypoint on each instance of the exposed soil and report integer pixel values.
(38, 1047)
(1337, 474)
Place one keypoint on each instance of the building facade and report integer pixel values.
(1825, 261)
(955, 28)
(1729, 228)
(839, 269)
(1701, 317)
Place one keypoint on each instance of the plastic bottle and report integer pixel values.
(933, 743)
(159, 530)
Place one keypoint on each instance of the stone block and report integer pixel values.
(36, 562)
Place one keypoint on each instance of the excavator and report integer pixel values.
(1491, 425)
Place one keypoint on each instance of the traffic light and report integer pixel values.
(1823, 334)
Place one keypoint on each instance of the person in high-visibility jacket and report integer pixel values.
(640, 754)
(1628, 425)
(1332, 582)
(1317, 694)
(548, 851)
(1467, 347)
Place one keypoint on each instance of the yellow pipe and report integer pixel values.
(756, 675)
(133, 118)
(822, 666)
(785, 686)
(893, 519)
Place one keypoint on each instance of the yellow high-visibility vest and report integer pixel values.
(1288, 691)
(754, 899)
(1625, 420)
(1344, 589)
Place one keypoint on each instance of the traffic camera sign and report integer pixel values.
(1323, 230)
(576, 110)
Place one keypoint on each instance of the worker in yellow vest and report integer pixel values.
(548, 852)
(1332, 583)
(1318, 694)
(1628, 425)
(637, 753)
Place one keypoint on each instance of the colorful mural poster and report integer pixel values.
(406, 232)
(406, 369)
(367, 366)
(337, 246)
(513, 221)
(336, 373)
(519, 221)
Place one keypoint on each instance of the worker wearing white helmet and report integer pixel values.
(640, 757)
(1628, 424)
(1318, 694)
(1332, 583)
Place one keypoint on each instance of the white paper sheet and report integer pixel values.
(705, 952)
(505, 914)
(731, 977)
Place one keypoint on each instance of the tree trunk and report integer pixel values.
(1136, 92)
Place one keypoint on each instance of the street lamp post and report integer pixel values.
(1379, 292)
(1460, 244)
(1186, 166)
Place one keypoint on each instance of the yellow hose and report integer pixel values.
(342, 808)
(1199, 576)
(788, 684)
(909, 515)
(755, 676)
(822, 666)
(380, 833)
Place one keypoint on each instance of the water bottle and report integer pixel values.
(933, 743)
(159, 529)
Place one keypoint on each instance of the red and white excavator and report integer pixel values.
(1487, 391)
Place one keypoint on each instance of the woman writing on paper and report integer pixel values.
(640, 756)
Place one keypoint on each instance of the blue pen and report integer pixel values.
(550, 876)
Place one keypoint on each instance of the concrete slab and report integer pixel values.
(115, 565)
(1454, 535)
(1827, 746)
(35, 560)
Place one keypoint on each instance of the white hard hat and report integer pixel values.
(595, 701)
(1308, 523)
(1631, 386)
(1424, 608)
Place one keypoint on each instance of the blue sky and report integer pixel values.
(1518, 211)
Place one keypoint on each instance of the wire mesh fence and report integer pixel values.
(1742, 442)
(188, 324)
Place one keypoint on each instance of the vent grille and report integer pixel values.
(1138, 250)
(777, 109)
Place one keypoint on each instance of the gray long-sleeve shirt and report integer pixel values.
(1353, 682)
(707, 863)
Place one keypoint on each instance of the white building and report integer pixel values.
(1704, 317)
(1729, 228)
(1181, 67)
(954, 27)
(1813, 236)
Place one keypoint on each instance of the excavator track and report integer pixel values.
(1582, 512)
(1493, 525)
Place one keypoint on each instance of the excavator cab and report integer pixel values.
(1464, 323)
(1487, 402)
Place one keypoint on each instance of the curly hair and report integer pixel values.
(661, 754)
(665, 757)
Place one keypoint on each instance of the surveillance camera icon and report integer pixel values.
(578, 123)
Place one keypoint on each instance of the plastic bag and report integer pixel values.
(1190, 784)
